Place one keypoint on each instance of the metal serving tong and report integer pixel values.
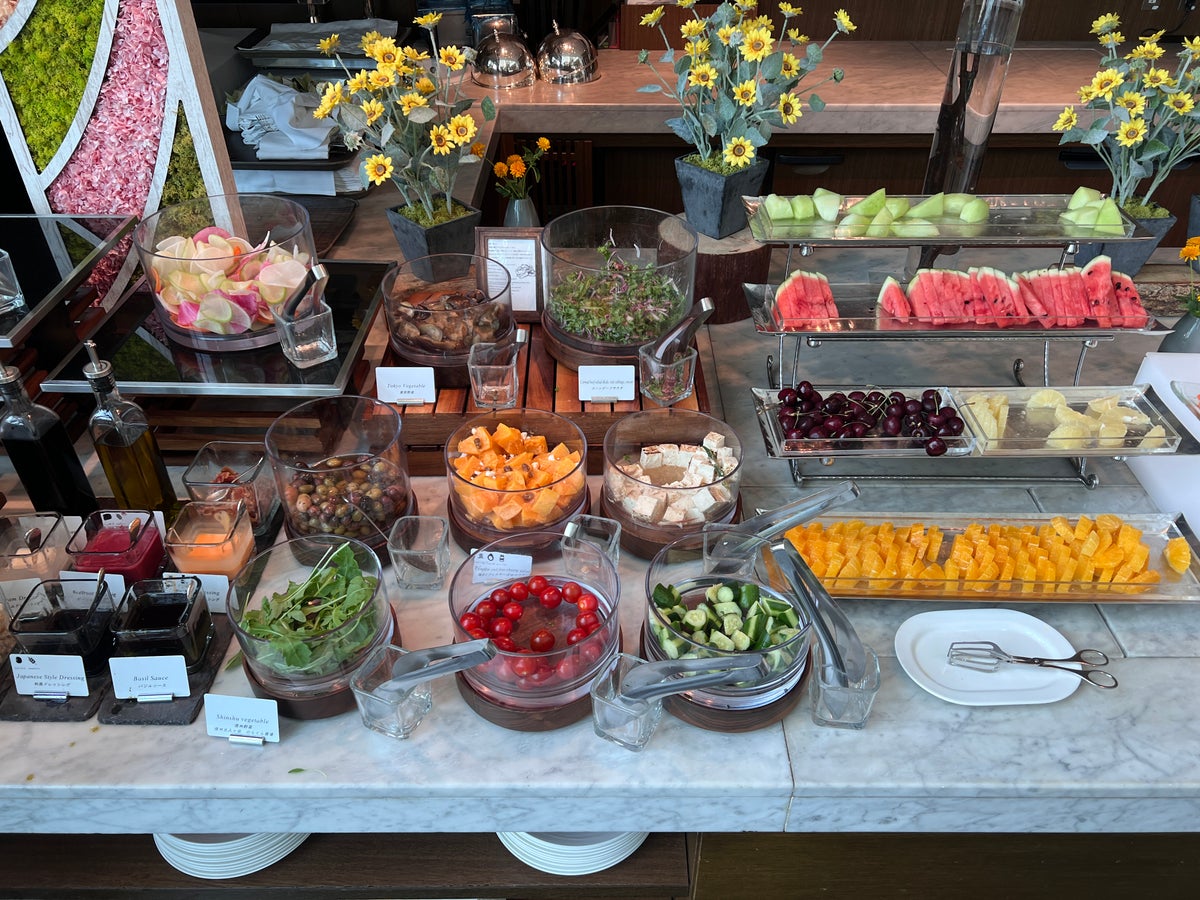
(419, 666)
(312, 291)
(654, 680)
(986, 656)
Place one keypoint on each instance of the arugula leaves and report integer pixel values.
(314, 626)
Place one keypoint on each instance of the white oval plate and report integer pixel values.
(923, 641)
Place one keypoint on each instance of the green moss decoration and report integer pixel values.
(184, 179)
(77, 247)
(46, 68)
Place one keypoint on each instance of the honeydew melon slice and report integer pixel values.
(827, 203)
(929, 208)
(803, 207)
(879, 223)
(975, 210)
(914, 227)
(870, 205)
(954, 203)
(897, 206)
(852, 225)
(777, 207)
(1108, 218)
(1083, 195)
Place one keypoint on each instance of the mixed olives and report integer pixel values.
(351, 496)
(843, 418)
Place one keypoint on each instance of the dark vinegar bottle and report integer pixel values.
(41, 452)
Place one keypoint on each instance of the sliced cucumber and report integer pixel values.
(733, 616)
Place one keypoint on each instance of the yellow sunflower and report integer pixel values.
(697, 48)
(757, 45)
(1158, 78)
(368, 39)
(425, 85)
(441, 140)
(1112, 39)
(725, 34)
(382, 78)
(452, 58)
(788, 10)
(410, 101)
(379, 168)
(1131, 133)
(1192, 45)
(359, 82)
(412, 54)
(329, 45)
(703, 76)
(789, 108)
(372, 109)
(1182, 103)
(1132, 101)
(789, 66)
(384, 50)
(1066, 120)
(692, 28)
(653, 17)
(1106, 23)
(796, 37)
(739, 152)
(1105, 82)
(462, 129)
(1145, 50)
(429, 20)
(746, 93)
(844, 25)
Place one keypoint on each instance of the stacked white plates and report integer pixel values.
(225, 855)
(571, 852)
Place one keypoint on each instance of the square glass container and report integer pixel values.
(164, 617)
(211, 537)
(394, 713)
(67, 618)
(33, 548)
(236, 470)
(123, 542)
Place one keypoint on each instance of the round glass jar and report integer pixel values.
(515, 471)
(614, 278)
(341, 469)
(544, 689)
(692, 565)
(667, 473)
(440, 306)
(217, 265)
(309, 670)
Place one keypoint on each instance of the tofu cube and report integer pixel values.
(651, 457)
(713, 440)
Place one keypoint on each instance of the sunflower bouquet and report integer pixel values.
(1138, 114)
(513, 175)
(732, 83)
(410, 110)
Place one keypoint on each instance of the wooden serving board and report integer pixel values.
(546, 384)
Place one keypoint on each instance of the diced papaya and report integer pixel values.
(507, 511)
(535, 444)
(478, 441)
(508, 438)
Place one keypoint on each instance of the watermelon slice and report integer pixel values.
(1040, 309)
(1102, 299)
(1075, 291)
(826, 295)
(1129, 301)
(957, 307)
(994, 285)
(1020, 310)
(892, 300)
(789, 299)
(921, 295)
(980, 303)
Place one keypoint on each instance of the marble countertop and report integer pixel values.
(1120, 760)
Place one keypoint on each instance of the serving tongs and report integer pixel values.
(987, 656)
(307, 300)
(679, 338)
(418, 666)
(655, 680)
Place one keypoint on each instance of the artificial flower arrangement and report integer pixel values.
(411, 111)
(514, 174)
(1141, 116)
(732, 84)
(1190, 253)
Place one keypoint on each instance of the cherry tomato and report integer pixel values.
(551, 597)
(594, 627)
(505, 643)
(500, 596)
(519, 591)
(486, 609)
(588, 602)
(570, 667)
(513, 610)
(501, 626)
(591, 652)
(543, 674)
(586, 620)
(575, 635)
(470, 621)
(523, 666)
(571, 591)
(541, 641)
(478, 633)
(537, 584)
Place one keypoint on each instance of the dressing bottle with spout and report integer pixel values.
(126, 445)
(41, 452)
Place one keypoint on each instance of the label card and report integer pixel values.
(251, 717)
(80, 587)
(215, 588)
(405, 384)
(48, 674)
(520, 257)
(606, 384)
(135, 677)
(489, 566)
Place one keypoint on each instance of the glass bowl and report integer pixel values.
(667, 473)
(688, 566)
(548, 688)
(69, 618)
(440, 306)
(308, 666)
(237, 470)
(33, 548)
(515, 470)
(211, 537)
(164, 617)
(341, 469)
(217, 265)
(614, 278)
(123, 542)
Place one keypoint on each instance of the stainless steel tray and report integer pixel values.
(1028, 427)
(1016, 220)
(766, 405)
(860, 321)
(1156, 529)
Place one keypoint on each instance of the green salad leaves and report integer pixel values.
(315, 626)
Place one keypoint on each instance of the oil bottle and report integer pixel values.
(126, 445)
(41, 452)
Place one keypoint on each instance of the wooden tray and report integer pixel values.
(545, 384)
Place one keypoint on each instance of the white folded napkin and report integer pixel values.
(277, 120)
(304, 35)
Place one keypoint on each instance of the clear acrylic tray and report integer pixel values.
(1029, 425)
(1016, 220)
(1156, 530)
